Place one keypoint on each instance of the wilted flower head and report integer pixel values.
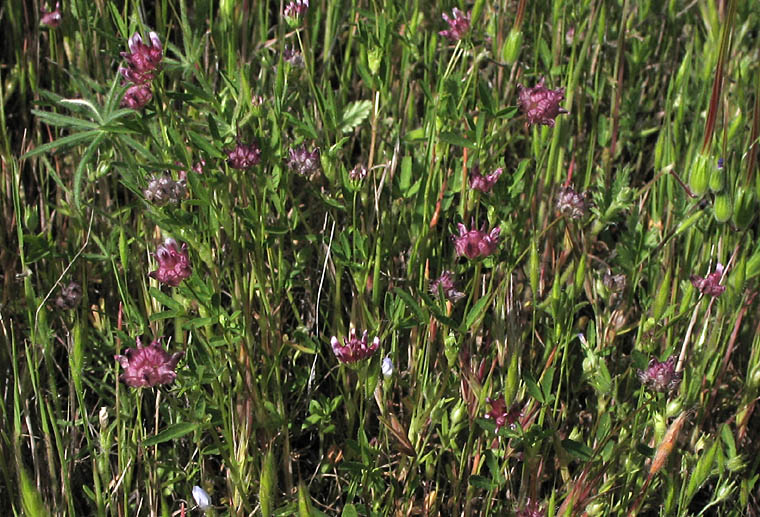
(476, 243)
(201, 497)
(296, 9)
(484, 183)
(358, 173)
(137, 96)
(710, 285)
(571, 204)
(459, 25)
(148, 366)
(244, 156)
(164, 190)
(292, 56)
(143, 59)
(302, 161)
(445, 283)
(52, 18)
(615, 283)
(540, 105)
(387, 367)
(500, 414)
(69, 297)
(173, 263)
(661, 376)
(354, 349)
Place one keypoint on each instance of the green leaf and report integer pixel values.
(172, 432)
(578, 449)
(354, 114)
(165, 299)
(349, 511)
(476, 312)
(411, 303)
(457, 140)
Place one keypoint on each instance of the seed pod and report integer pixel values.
(699, 178)
(512, 46)
(722, 207)
(717, 180)
(744, 207)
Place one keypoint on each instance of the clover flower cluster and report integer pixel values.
(484, 183)
(710, 284)
(354, 348)
(661, 376)
(143, 60)
(244, 156)
(303, 161)
(476, 243)
(540, 104)
(444, 284)
(148, 366)
(459, 25)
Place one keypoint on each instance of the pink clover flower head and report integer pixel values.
(52, 18)
(148, 366)
(358, 173)
(710, 285)
(173, 263)
(500, 414)
(476, 243)
(661, 376)
(137, 96)
(143, 58)
(296, 9)
(244, 156)
(445, 284)
(302, 161)
(571, 204)
(354, 349)
(540, 104)
(484, 183)
(459, 25)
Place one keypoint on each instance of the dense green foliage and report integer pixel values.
(610, 221)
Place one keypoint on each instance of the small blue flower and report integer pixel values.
(387, 367)
(201, 497)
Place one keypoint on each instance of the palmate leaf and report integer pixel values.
(354, 114)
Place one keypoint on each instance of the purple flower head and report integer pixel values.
(354, 349)
(445, 283)
(710, 285)
(571, 204)
(137, 96)
(173, 263)
(296, 9)
(69, 297)
(459, 25)
(358, 173)
(540, 104)
(148, 366)
(720, 163)
(244, 156)
(476, 243)
(143, 59)
(52, 18)
(661, 376)
(500, 414)
(302, 161)
(484, 183)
